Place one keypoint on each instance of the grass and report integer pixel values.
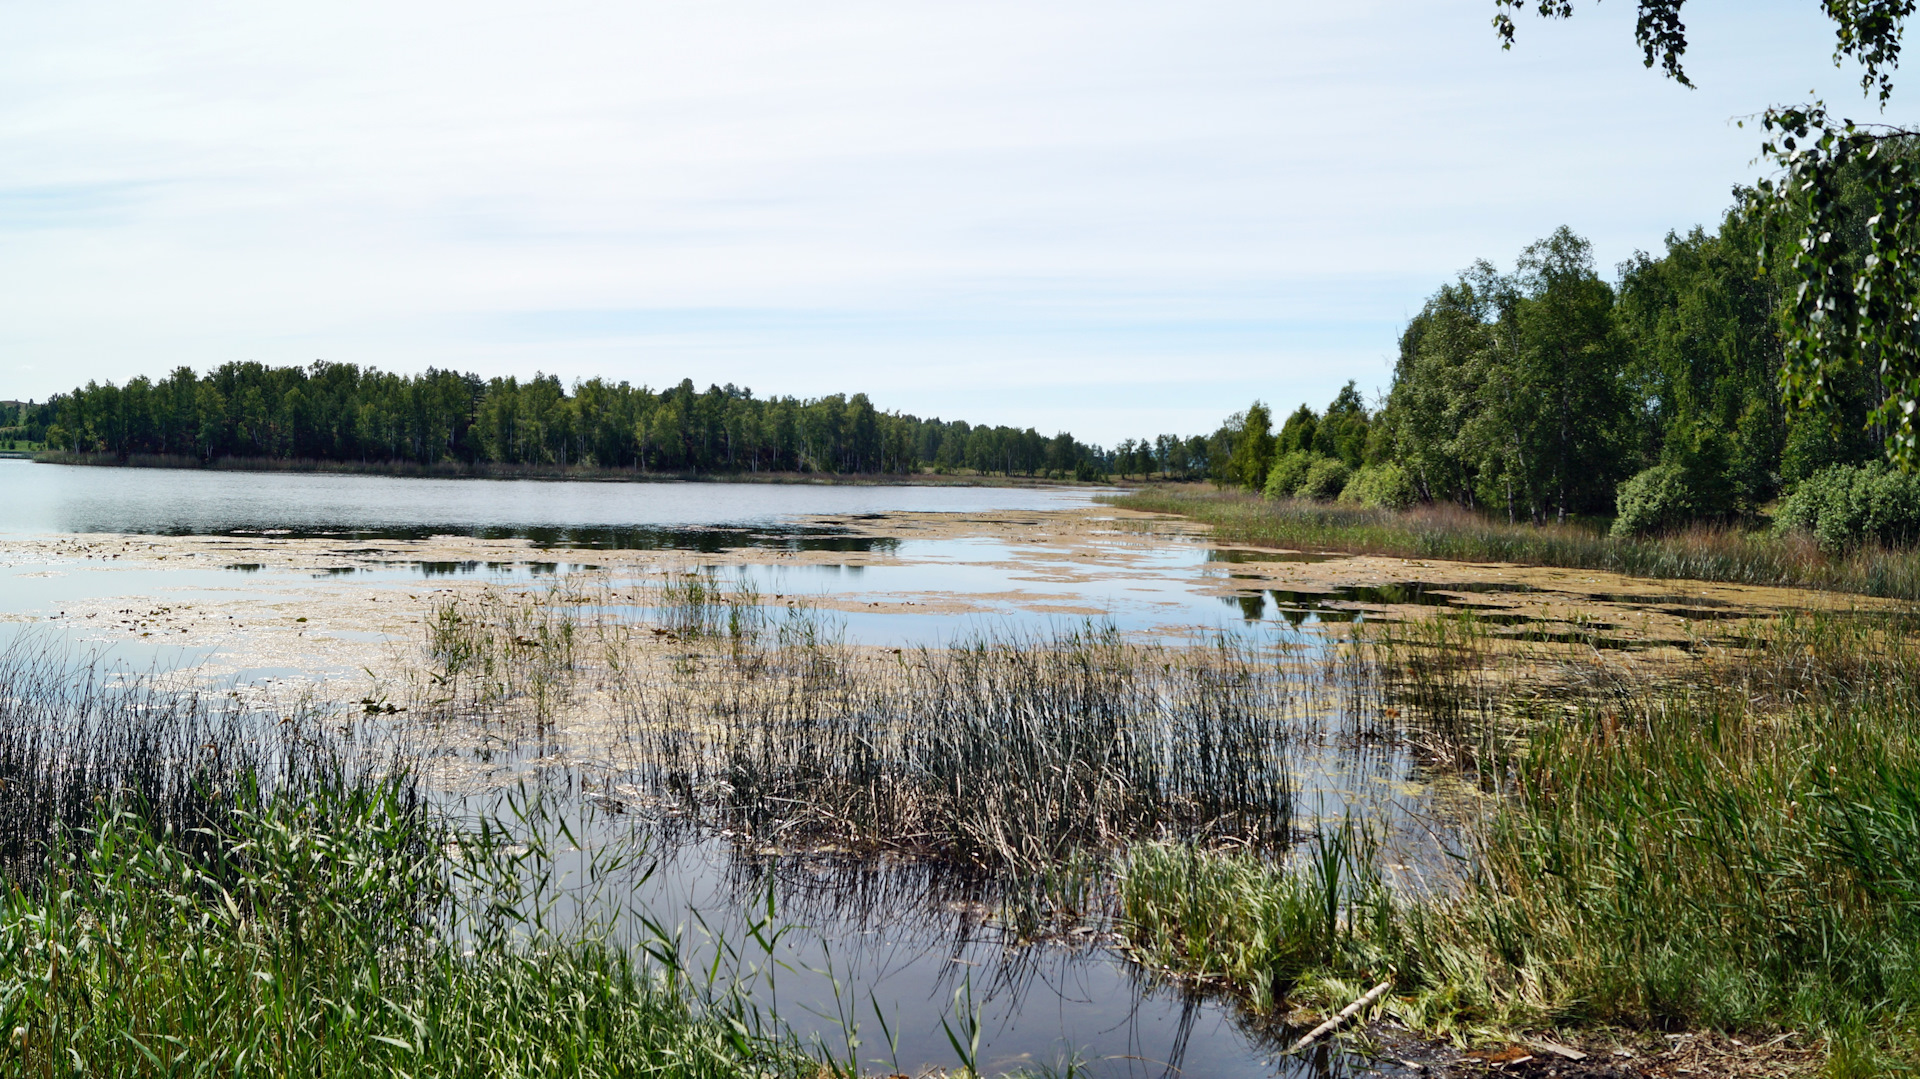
(1740, 855)
(1001, 751)
(1455, 534)
(284, 903)
(1729, 841)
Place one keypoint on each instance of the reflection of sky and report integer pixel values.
(893, 942)
(956, 587)
(55, 499)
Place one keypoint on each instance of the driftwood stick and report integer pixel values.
(1346, 1013)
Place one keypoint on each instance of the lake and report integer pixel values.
(297, 583)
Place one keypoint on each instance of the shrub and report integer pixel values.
(1325, 480)
(1288, 473)
(1657, 500)
(1847, 505)
(1385, 486)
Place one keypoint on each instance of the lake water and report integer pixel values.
(1170, 585)
(905, 956)
(73, 499)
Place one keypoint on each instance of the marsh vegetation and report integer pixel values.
(198, 887)
(1525, 833)
(1721, 840)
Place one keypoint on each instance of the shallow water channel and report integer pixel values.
(309, 581)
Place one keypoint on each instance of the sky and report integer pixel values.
(1115, 218)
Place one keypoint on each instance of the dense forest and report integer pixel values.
(342, 413)
(1550, 392)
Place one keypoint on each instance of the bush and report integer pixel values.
(1385, 486)
(1325, 480)
(1847, 505)
(1657, 500)
(1288, 473)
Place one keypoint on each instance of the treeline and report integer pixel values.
(1551, 392)
(336, 412)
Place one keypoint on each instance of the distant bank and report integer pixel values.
(579, 473)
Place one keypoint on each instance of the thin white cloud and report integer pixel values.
(1000, 205)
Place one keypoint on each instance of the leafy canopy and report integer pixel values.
(1854, 272)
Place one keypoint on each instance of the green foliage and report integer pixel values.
(1289, 474)
(1509, 391)
(1325, 480)
(1691, 484)
(1706, 354)
(1858, 281)
(1654, 501)
(1252, 450)
(1297, 434)
(1383, 486)
(1846, 506)
(1853, 256)
(1869, 32)
(1343, 430)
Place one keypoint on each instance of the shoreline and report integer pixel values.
(455, 470)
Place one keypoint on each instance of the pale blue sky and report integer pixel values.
(1111, 217)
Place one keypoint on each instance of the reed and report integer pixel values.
(276, 907)
(77, 739)
(999, 751)
(1736, 854)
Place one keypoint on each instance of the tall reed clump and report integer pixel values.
(1001, 751)
(75, 738)
(314, 918)
(1450, 532)
(1709, 857)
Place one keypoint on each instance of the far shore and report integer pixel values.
(576, 473)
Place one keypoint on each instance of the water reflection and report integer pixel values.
(907, 947)
(643, 516)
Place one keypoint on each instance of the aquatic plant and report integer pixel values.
(78, 739)
(233, 911)
(1698, 855)
(996, 751)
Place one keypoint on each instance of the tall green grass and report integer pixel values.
(1709, 857)
(1455, 534)
(196, 889)
(333, 935)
